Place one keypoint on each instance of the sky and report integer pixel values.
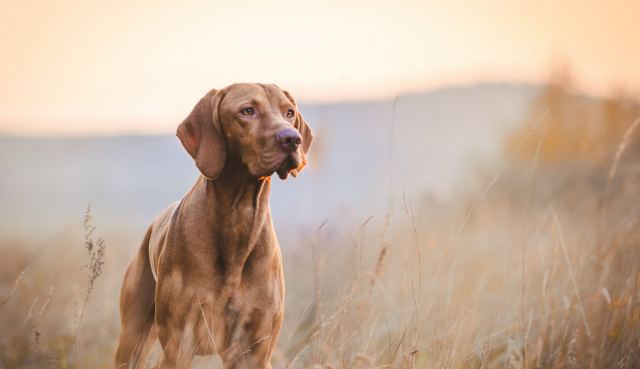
(75, 67)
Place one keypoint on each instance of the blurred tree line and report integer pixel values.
(568, 127)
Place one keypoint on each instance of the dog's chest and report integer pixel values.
(234, 315)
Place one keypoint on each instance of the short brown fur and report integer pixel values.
(208, 278)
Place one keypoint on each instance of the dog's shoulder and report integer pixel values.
(159, 229)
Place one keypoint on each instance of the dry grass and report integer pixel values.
(567, 299)
(519, 274)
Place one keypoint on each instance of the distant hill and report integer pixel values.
(429, 143)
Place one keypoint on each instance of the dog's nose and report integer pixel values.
(289, 139)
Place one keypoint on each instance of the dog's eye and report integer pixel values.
(247, 111)
(290, 113)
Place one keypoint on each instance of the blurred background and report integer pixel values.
(471, 198)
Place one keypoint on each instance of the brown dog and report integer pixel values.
(207, 278)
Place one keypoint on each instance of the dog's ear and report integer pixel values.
(201, 135)
(305, 131)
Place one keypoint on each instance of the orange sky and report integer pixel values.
(84, 67)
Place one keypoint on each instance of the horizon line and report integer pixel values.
(577, 92)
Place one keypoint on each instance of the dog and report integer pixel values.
(207, 278)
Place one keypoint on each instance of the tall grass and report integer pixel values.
(528, 281)
(39, 340)
(95, 254)
(520, 272)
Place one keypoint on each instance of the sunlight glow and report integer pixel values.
(75, 67)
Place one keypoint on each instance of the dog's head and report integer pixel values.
(255, 124)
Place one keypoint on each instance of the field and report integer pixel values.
(536, 264)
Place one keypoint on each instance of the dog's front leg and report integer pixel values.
(175, 321)
(177, 347)
(255, 344)
(247, 360)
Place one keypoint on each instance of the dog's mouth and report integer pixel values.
(290, 162)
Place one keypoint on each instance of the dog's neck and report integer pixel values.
(232, 214)
(236, 188)
(235, 197)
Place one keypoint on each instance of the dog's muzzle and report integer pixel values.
(291, 161)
